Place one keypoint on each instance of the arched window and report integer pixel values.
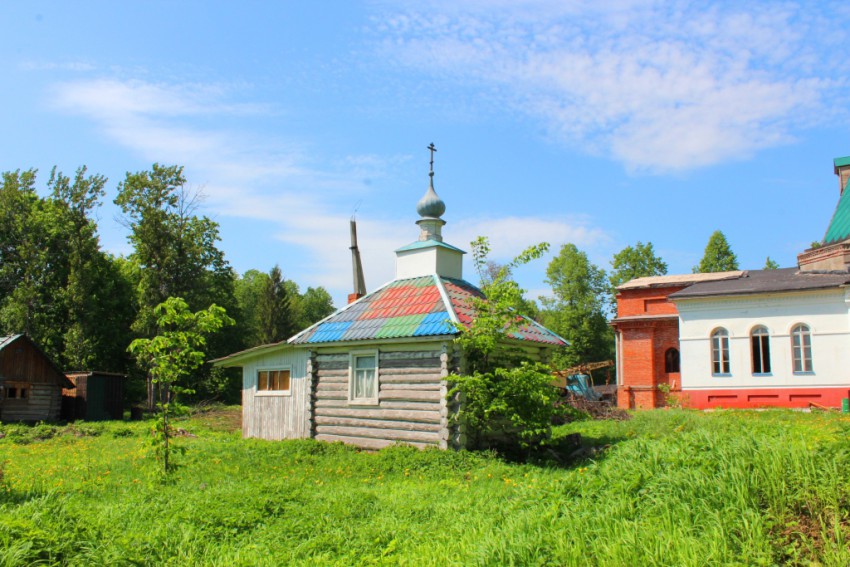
(760, 341)
(801, 348)
(720, 351)
(671, 360)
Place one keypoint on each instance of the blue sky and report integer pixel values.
(597, 123)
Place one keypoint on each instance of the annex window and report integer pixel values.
(273, 380)
(801, 348)
(720, 352)
(671, 360)
(760, 350)
(363, 377)
(16, 391)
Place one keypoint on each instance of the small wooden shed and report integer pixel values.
(96, 396)
(30, 383)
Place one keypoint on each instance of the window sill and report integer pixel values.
(763, 374)
(373, 403)
(273, 393)
(807, 373)
(725, 375)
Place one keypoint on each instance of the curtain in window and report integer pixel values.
(364, 378)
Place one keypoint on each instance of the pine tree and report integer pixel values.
(718, 256)
(273, 309)
(770, 264)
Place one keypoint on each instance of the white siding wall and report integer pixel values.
(272, 415)
(825, 312)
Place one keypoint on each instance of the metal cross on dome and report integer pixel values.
(433, 149)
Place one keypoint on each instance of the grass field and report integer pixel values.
(665, 488)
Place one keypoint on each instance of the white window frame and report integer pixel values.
(352, 369)
(259, 392)
(720, 352)
(799, 352)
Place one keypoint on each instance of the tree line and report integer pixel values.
(83, 306)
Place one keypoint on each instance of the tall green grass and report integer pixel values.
(669, 488)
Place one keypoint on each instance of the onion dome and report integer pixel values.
(430, 205)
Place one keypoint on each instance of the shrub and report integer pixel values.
(508, 406)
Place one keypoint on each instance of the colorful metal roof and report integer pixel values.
(415, 307)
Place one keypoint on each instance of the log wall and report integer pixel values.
(277, 415)
(411, 399)
(43, 404)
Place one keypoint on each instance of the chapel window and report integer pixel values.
(801, 348)
(720, 352)
(760, 350)
(671, 360)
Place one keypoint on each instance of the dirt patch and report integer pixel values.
(220, 418)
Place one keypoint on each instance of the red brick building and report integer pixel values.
(646, 330)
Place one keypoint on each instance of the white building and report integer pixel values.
(745, 339)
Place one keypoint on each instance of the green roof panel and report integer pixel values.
(841, 161)
(839, 226)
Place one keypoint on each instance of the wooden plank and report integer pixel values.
(330, 403)
(377, 424)
(422, 387)
(409, 355)
(412, 363)
(400, 415)
(365, 443)
(391, 434)
(410, 395)
(332, 387)
(332, 395)
(409, 378)
(328, 372)
(411, 405)
(332, 380)
(332, 357)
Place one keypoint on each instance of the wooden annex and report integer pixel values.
(376, 372)
(95, 396)
(30, 384)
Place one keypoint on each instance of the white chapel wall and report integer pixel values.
(825, 312)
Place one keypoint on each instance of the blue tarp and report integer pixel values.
(580, 385)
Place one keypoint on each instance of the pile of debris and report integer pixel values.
(580, 398)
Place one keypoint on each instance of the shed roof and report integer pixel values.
(424, 306)
(8, 340)
(765, 281)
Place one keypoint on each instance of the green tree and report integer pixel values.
(313, 305)
(630, 263)
(718, 256)
(506, 398)
(497, 313)
(578, 306)
(273, 310)
(170, 357)
(56, 284)
(176, 254)
(770, 264)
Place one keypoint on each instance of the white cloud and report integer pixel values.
(660, 86)
(267, 180)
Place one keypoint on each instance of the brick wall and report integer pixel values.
(648, 326)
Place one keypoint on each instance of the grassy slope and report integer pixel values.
(675, 488)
